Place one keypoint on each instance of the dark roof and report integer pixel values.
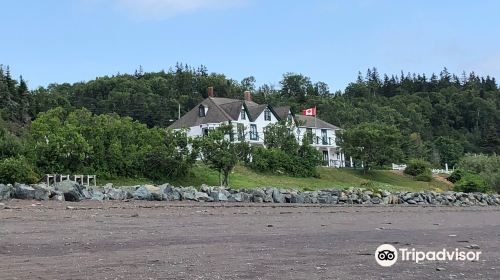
(215, 114)
(226, 109)
(282, 112)
(311, 121)
(255, 110)
(219, 110)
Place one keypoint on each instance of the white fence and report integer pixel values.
(434, 171)
(398, 166)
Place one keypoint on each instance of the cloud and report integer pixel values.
(163, 9)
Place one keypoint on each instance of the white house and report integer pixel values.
(250, 120)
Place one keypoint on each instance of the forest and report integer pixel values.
(440, 118)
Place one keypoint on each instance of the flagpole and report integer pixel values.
(315, 126)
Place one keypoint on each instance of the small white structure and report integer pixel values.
(250, 120)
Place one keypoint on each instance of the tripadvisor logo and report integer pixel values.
(387, 255)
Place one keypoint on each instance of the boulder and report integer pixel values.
(71, 190)
(57, 196)
(156, 192)
(142, 193)
(97, 195)
(278, 197)
(235, 197)
(42, 192)
(5, 191)
(22, 191)
(203, 196)
(297, 198)
(188, 193)
(117, 194)
(168, 192)
(217, 195)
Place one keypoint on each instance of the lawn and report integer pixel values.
(243, 177)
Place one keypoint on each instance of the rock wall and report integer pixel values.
(71, 191)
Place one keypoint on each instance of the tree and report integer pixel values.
(372, 143)
(219, 152)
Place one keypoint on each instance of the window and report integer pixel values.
(205, 132)
(201, 111)
(253, 132)
(243, 114)
(324, 137)
(241, 132)
(309, 135)
(267, 114)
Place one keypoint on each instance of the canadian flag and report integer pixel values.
(309, 112)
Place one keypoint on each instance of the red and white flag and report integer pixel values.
(309, 112)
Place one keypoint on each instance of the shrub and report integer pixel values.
(424, 177)
(471, 182)
(17, 169)
(417, 167)
(488, 167)
(455, 176)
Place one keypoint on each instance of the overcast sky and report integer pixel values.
(68, 41)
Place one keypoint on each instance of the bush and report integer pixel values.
(417, 167)
(455, 176)
(471, 182)
(17, 169)
(424, 177)
(488, 167)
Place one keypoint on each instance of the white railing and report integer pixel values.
(398, 166)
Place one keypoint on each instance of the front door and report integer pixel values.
(326, 159)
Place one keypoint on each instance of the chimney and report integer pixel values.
(248, 95)
(210, 92)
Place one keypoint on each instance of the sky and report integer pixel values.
(56, 41)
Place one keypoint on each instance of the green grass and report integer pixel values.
(243, 177)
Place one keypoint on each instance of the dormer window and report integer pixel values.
(243, 114)
(267, 114)
(201, 111)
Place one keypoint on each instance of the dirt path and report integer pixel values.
(147, 240)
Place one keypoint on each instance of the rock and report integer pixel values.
(71, 190)
(385, 193)
(57, 196)
(440, 268)
(97, 195)
(473, 246)
(142, 193)
(5, 191)
(257, 199)
(325, 199)
(411, 201)
(170, 193)
(278, 197)
(218, 195)
(235, 197)
(70, 207)
(188, 193)
(42, 192)
(156, 192)
(205, 188)
(375, 200)
(22, 191)
(297, 198)
(117, 194)
(202, 196)
(86, 194)
(108, 187)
